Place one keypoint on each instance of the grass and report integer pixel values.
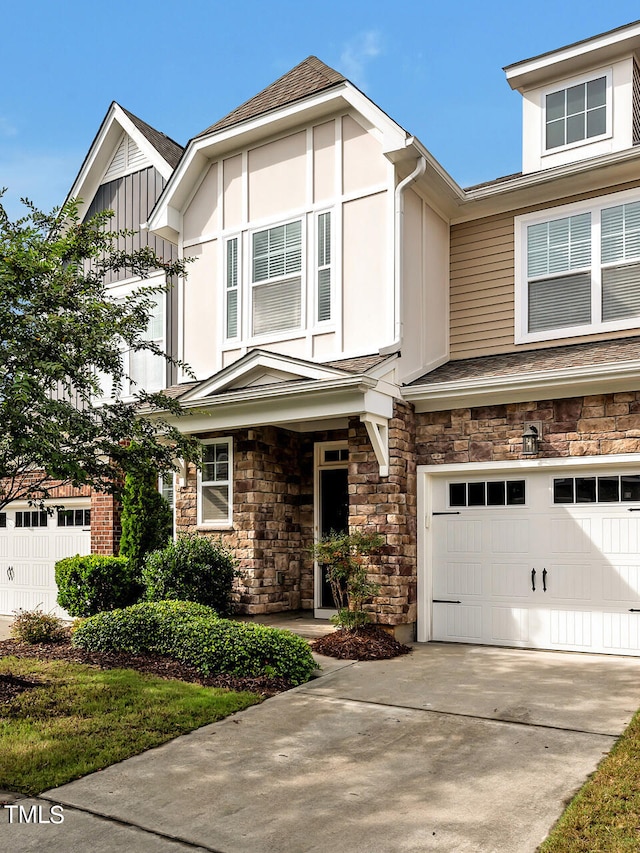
(605, 814)
(84, 719)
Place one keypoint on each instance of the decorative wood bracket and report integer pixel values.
(378, 432)
(181, 473)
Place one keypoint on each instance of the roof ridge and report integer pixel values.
(308, 77)
(167, 147)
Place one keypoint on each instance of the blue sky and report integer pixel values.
(434, 67)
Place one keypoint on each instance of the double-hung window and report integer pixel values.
(215, 480)
(276, 278)
(323, 290)
(578, 269)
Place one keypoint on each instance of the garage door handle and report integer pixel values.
(533, 579)
(633, 610)
(10, 573)
(544, 580)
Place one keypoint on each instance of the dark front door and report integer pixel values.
(334, 517)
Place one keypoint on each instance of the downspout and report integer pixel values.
(419, 170)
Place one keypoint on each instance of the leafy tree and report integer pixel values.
(60, 330)
(344, 557)
(147, 520)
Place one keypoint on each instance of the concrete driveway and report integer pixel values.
(453, 748)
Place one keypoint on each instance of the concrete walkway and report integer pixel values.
(452, 749)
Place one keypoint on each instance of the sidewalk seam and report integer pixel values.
(129, 824)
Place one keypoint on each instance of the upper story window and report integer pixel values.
(576, 113)
(578, 271)
(274, 297)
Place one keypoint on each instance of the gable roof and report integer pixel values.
(168, 149)
(307, 78)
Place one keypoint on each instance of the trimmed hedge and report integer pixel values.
(91, 584)
(195, 568)
(194, 634)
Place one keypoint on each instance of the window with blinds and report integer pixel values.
(559, 273)
(324, 267)
(215, 483)
(582, 271)
(276, 275)
(231, 295)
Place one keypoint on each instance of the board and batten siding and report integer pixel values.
(482, 285)
(131, 198)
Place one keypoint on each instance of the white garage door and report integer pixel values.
(30, 544)
(540, 560)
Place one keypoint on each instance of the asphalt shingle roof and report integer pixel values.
(164, 145)
(308, 78)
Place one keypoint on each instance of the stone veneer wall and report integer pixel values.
(387, 505)
(576, 426)
(272, 526)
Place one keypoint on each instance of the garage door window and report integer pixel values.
(3, 519)
(31, 519)
(74, 518)
(612, 488)
(487, 493)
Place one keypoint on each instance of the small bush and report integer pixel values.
(88, 585)
(143, 627)
(195, 635)
(36, 626)
(195, 568)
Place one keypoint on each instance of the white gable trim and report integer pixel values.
(115, 124)
(251, 370)
(218, 143)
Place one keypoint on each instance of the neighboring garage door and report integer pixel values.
(30, 544)
(543, 560)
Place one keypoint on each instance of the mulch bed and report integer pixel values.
(150, 664)
(367, 643)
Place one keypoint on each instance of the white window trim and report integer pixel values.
(223, 524)
(317, 267)
(119, 291)
(294, 331)
(567, 84)
(521, 223)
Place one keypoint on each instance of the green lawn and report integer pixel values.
(605, 814)
(84, 719)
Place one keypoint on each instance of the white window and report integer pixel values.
(231, 293)
(578, 269)
(147, 370)
(323, 311)
(215, 479)
(578, 113)
(276, 278)
(165, 487)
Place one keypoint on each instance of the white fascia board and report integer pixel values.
(114, 124)
(592, 51)
(545, 385)
(613, 460)
(257, 407)
(202, 150)
(297, 368)
(546, 185)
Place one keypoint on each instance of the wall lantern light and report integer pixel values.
(531, 439)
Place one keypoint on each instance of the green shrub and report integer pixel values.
(147, 520)
(36, 626)
(195, 568)
(87, 585)
(195, 635)
(143, 627)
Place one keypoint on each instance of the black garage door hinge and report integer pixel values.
(446, 513)
(445, 601)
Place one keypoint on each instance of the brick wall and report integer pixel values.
(576, 426)
(106, 528)
(387, 505)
